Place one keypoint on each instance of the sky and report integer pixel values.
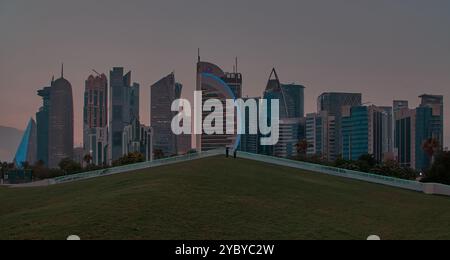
(384, 49)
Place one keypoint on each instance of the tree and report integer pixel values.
(69, 166)
(366, 162)
(88, 159)
(41, 172)
(130, 158)
(192, 151)
(158, 154)
(302, 147)
(431, 147)
(440, 170)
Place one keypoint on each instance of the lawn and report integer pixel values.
(218, 198)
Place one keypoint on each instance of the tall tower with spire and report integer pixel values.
(55, 123)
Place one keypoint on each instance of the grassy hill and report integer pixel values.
(218, 198)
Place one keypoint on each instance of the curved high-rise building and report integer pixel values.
(55, 123)
(291, 125)
(216, 84)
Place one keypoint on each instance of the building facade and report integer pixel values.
(95, 119)
(124, 109)
(289, 136)
(320, 135)
(212, 81)
(364, 131)
(138, 138)
(163, 93)
(405, 137)
(42, 125)
(333, 103)
(429, 125)
(250, 141)
(55, 124)
(292, 122)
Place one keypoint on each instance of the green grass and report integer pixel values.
(218, 198)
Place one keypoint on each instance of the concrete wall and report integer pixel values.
(427, 188)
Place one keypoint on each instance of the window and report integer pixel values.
(117, 139)
(95, 98)
(117, 112)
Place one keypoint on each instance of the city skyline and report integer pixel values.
(339, 57)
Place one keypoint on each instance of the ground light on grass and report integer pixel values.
(218, 198)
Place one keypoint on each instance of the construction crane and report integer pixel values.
(98, 74)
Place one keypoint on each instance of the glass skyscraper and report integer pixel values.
(405, 137)
(364, 132)
(333, 103)
(292, 123)
(163, 93)
(429, 125)
(124, 109)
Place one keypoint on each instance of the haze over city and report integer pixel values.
(384, 49)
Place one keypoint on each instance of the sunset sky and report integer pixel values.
(382, 48)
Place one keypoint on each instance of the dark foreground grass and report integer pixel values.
(220, 198)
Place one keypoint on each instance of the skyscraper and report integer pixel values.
(124, 109)
(42, 125)
(291, 96)
(405, 137)
(250, 142)
(333, 103)
(55, 123)
(95, 118)
(429, 125)
(364, 132)
(320, 135)
(138, 138)
(389, 129)
(292, 123)
(400, 104)
(27, 150)
(211, 80)
(163, 93)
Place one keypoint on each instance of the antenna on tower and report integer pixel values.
(199, 55)
(62, 70)
(236, 64)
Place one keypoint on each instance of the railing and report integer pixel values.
(135, 167)
(373, 178)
